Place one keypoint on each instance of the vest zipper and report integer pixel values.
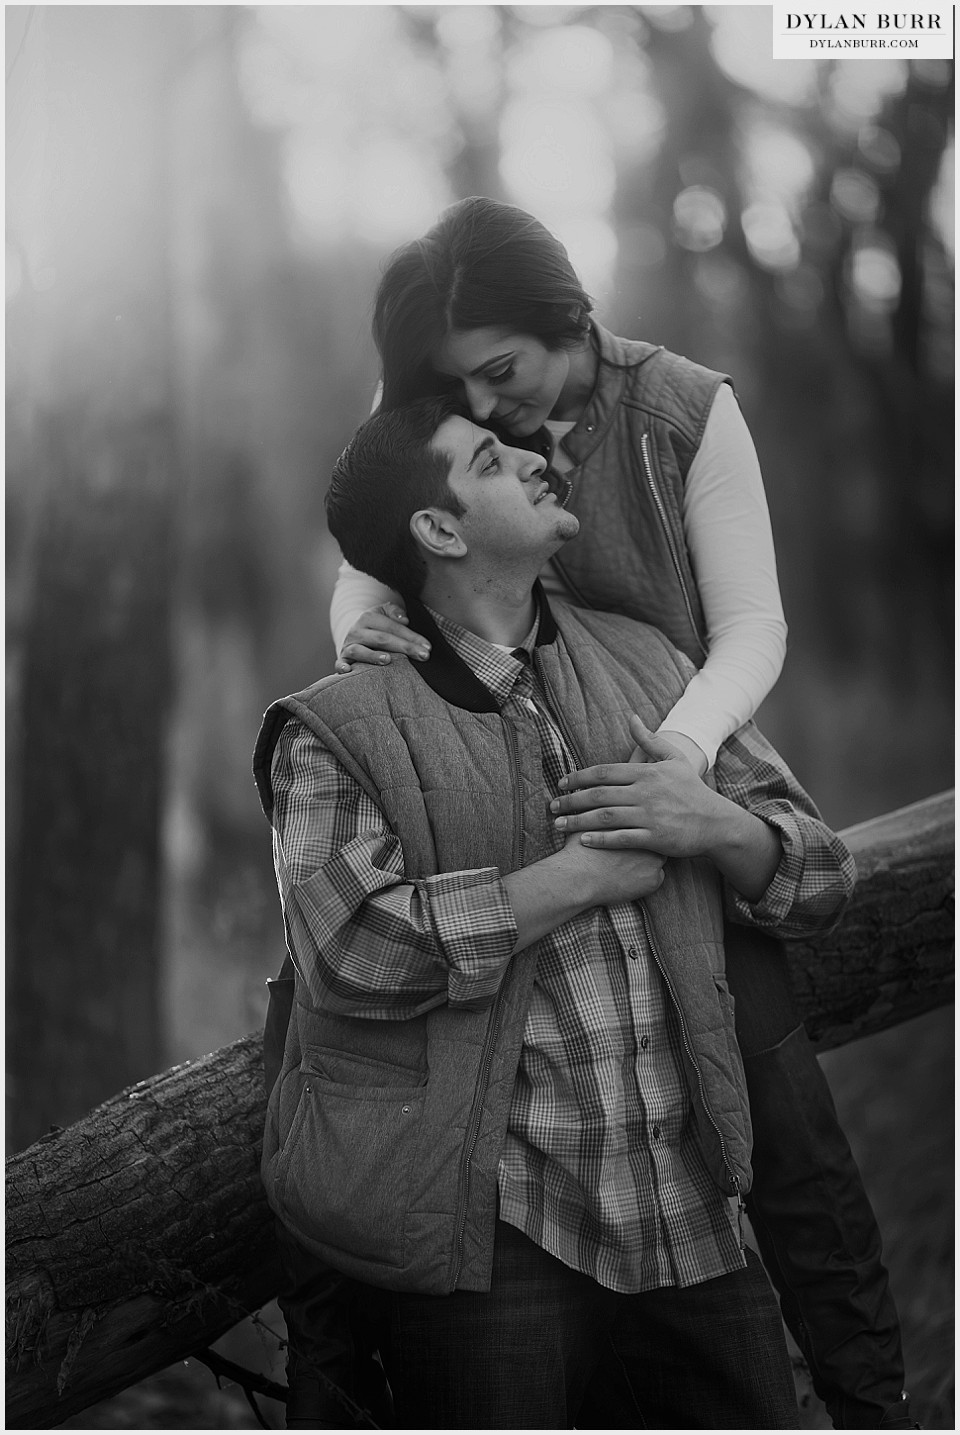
(671, 544)
(491, 1038)
(732, 1176)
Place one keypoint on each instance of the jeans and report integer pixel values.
(549, 1348)
(811, 1216)
(334, 1379)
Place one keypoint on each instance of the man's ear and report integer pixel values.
(437, 533)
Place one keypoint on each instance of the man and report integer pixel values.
(511, 1108)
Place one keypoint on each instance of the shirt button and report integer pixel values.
(590, 428)
(405, 1110)
(644, 1043)
(633, 953)
(656, 1133)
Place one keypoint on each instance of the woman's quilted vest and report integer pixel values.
(633, 446)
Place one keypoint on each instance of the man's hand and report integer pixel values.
(658, 804)
(376, 634)
(606, 878)
(559, 887)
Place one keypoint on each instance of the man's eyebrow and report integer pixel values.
(482, 446)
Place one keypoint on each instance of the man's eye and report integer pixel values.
(493, 464)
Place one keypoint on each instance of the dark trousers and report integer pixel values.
(548, 1348)
(813, 1221)
(811, 1216)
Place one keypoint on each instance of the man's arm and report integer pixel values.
(785, 870)
(369, 942)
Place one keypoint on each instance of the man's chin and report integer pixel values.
(568, 526)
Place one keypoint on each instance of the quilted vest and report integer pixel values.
(633, 446)
(383, 1138)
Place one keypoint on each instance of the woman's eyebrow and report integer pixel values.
(496, 359)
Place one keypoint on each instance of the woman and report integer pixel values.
(657, 463)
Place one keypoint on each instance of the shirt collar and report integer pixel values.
(495, 665)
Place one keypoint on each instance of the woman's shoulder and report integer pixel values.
(670, 386)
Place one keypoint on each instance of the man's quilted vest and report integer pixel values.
(383, 1138)
(633, 446)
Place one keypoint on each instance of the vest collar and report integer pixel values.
(448, 675)
(617, 356)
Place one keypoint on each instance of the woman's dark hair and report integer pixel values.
(483, 264)
(386, 473)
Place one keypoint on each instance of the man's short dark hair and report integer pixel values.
(386, 473)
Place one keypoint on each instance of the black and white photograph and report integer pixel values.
(480, 716)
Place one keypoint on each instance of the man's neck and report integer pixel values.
(497, 612)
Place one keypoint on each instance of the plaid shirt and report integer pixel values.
(600, 1165)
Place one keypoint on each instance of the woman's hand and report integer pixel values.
(658, 804)
(686, 747)
(376, 634)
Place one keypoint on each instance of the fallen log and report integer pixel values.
(140, 1234)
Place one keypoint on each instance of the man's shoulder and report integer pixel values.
(615, 632)
(366, 688)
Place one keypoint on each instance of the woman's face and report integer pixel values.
(513, 378)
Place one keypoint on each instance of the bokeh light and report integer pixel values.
(875, 275)
(776, 163)
(770, 235)
(855, 196)
(699, 217)
(575, 60)
(741, 46)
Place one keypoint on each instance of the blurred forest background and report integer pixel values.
(199, 200)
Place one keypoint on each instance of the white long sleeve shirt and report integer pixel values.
(727, 528)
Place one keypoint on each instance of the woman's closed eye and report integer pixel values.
(500, 376)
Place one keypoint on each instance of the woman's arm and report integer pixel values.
(368, 621)
(727, 527)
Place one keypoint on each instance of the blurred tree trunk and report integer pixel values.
(95, 454)
(242, 401)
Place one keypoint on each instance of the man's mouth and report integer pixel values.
(545, 492)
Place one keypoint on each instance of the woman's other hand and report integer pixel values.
(376, 634)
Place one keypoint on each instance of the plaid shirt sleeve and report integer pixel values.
(816, 875)
(366, 941)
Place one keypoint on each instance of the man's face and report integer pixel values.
(510, 510)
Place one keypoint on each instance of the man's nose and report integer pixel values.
(480, 399)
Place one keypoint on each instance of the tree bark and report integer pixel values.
(141, 1233)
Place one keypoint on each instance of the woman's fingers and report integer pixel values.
(595, 797)
(619, 773)
(378, 633)
(636, 839)
(598, 819)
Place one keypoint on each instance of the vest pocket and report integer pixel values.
(344, 1170)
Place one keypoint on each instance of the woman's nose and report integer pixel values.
(480, 399)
